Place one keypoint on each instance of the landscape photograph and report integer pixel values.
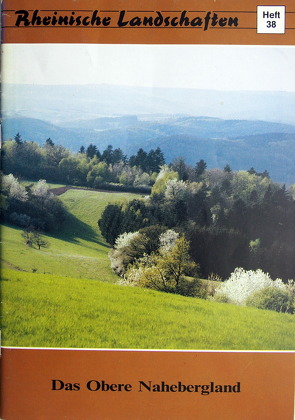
(148, 197)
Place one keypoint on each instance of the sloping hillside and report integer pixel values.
(50, 297)
(54, 311)
(77, 250)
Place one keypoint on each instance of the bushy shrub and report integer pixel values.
(220, 298)
(290, 286)
(119, 261)
(272, 298)
(214, 277)
(242, 284)
(191, 286)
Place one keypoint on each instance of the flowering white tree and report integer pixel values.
(125, 239)
(242, 284)
(42, 190)
(14, 188)
(167, 240)
(175, 190)
(8, 181)
(137, 272)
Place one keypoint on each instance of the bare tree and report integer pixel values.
(40, 241)
(33, 238)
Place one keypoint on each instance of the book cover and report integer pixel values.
(148, 205)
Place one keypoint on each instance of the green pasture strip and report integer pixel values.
(55, 311)
(26, 183)
(88, 205)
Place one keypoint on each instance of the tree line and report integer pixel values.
(89, 167)
(230, 219)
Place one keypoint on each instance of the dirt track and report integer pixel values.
(62, 190)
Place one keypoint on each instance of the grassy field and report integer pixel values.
(53, 311)
(77, 250)
(51, 297)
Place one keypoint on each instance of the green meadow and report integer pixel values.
(77, 250)
(65, 296)
(54, 311)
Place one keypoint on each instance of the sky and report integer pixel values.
(257, 68)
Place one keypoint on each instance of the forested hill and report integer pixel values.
(242, 143)
(242, 215)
